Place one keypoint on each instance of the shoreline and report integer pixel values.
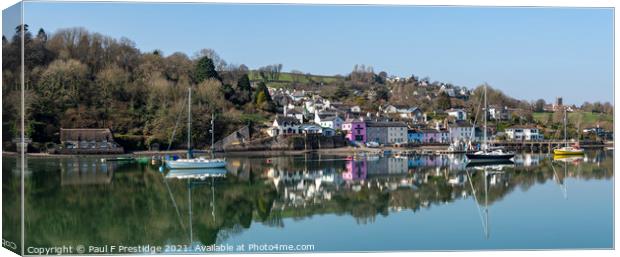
(347, 150)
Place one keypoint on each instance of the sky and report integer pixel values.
(529, 53)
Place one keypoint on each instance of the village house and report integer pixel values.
(298, 96)
(523, 133)
(386, 133)
(328, 120)
(461, 132)
(294, 112)
(435, 136)
(88, 141)
(499, 113)
(414, 136)
(355, 130)
(403, 111)
(283, 125)
(458, 114)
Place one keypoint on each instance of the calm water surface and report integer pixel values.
(335, 203)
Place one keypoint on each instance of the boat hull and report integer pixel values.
(488, 157)
(195, 165)
(567, 152)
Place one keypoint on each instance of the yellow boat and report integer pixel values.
(568, 150)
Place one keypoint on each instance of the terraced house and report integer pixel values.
(386, 133)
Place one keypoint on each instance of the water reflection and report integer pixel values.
(135, 203)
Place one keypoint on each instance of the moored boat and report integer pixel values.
(190, 162)
(488, 154)
(566, 149)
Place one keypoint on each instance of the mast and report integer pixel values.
(565, 121)
(212, 135)
(484, 139)
(189, 123)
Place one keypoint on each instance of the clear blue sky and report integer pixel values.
(529, 53)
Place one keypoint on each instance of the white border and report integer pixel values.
(551, 3)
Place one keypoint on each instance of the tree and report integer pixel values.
(443, 101)
(219, 63)
(262, 98)
(539, 105)
(205, 70)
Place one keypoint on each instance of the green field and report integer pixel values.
(287, 77)
(587, 118)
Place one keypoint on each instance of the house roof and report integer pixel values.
(282, 119)
(85, 134)
(329, 118)
(385, 124)
(522, 127)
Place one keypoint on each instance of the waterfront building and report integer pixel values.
(386, 133)
(523, 133)
(355, 130)
(414, 136)
(88, 140)
(283, 125)
(435, 136)
(461, 132)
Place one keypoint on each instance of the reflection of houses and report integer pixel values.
(355, 169)
(88, 141)
(85, 172)
(303, 187)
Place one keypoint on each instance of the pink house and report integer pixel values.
(356, 169)
(355, 130)
(431, 136)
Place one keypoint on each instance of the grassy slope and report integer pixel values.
(587, 118)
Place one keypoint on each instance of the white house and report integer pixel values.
(356, 109)
(499, 113)
(461, 131)
(284, 125)
(459, 114)
(298, 95)
(326, 120)
(523, 133)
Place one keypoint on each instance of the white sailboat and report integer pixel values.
(190, 162)
(488, 154)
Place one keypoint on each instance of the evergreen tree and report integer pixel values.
(205, 69)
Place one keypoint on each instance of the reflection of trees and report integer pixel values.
(11, 202)
(135, 207)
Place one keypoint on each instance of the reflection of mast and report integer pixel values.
(484, 220)
(189, 191)
(562, 182)
(486, 203)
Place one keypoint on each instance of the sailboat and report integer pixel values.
(566, 149)
(488, 154)
(190, 162)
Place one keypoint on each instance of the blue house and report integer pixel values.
(414, 136)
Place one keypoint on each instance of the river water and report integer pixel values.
(315, 203)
